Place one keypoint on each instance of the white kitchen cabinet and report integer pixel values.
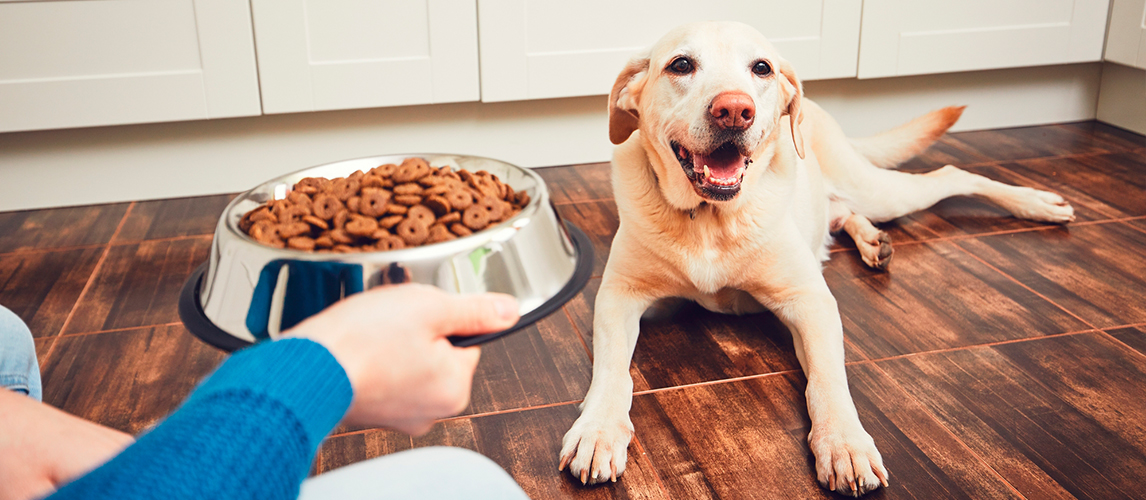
(534, 49)
(337, 54)
(77, 64)
(1126, 38)
(913, 37)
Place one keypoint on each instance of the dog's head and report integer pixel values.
(708, 99)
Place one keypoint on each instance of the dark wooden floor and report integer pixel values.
(998, 358)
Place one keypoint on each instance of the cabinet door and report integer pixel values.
(77, 64)
(534, 49)
(338, 54)
(913, 37)
(1126, 39)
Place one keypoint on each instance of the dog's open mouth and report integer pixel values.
(717, 174)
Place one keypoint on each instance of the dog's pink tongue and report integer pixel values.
(724, 163)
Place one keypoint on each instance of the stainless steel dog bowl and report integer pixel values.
(247, 292)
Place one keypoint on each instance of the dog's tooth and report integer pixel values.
(707, 173)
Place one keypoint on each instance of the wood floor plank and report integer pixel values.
(936, 297)
(1117, 138)
(1111, 184)
(139, 285)
(543, 364)
(1134, 336)
(1039, 142)
(747, 439)
(59, 227)
(42, 287)
(1097, 272)
(690, 345)
(1057, 418)
(150, 220)
(524, 443)
(43, 347)
(578, 183)
(598, 220)
(127, 380)
(961, 216)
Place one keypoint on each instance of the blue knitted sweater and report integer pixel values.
(249, 431)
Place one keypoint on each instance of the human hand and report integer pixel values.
(392, 343)
(42, 448)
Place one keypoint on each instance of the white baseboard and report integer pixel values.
(1122, 100)
(139, 162)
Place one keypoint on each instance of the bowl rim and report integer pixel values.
(503, 231)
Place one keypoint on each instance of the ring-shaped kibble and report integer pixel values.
(407, 199)
(304, 243)
(460, 229)
(408, 188)
(371, 180)
(360, 225)
(340, 219)
(439, 234)
(326, 206)
(316, 222)
(422, 214)
(390, 242)
(263, 213)
(439, 190)
(438, 204)
(267, 233)
(352, 203)
(459, 199)
(374, 201)
(397, 209)
(390, 221)
(324, 241)
(344, 188)
(413, 232)
(521, 198)
(341, 237)
(411, 170)
(291, 229)
(476, 217)
(384, 171)
(299, 199)
(318, 183)
(450, 218)
(356, 175)
(487, 186)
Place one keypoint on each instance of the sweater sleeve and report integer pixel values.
(250, 430)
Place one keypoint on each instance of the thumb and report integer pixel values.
(476, 314)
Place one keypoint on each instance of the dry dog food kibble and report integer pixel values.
(388, 208)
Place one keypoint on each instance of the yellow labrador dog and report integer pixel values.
(729, 182)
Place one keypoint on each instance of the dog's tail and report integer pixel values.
(890, 148)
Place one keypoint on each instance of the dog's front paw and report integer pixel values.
(596, 447)
(847, 461)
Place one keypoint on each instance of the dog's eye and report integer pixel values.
(681, 65)
(761, 68)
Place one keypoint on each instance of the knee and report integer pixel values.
(13, 331)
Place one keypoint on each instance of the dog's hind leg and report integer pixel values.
(882, 195)
(874, 245)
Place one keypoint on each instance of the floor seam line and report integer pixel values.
(92, 278)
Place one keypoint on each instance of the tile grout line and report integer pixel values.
(972, 346)
(931, 415)
(90, 282)
(653, 465)
(1039, 295)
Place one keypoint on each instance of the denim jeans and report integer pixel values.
(19, 370)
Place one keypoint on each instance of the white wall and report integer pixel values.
(1122, 99)
(138, 162)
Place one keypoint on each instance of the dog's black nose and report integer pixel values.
(733, 110)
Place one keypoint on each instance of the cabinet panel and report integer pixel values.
(533, 49)
(913, 37)
(74, 64)
(1126, 38)
(337, 54)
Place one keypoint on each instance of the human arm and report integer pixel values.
(252, 428)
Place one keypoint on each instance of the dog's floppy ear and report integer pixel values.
(623, 99)
(795, 91)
